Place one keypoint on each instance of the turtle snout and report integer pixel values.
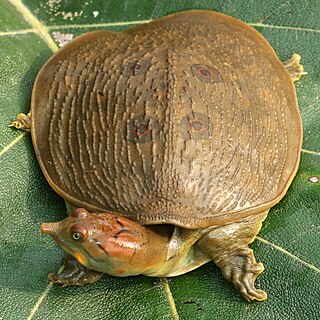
(49, 228)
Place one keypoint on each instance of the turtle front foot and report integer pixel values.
(22, 122)
(74, 274)
(242, 270)
(294, 67)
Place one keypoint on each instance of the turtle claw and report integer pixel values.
(74, 274)
(22, 122)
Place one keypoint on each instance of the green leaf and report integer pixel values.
(288, 243)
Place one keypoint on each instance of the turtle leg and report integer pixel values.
(294, 67)
(22, 122)
(228, 247)
(74, 274)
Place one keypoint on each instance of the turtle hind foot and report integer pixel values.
(241, 269)
(22, 122)
(294, 67)
(228, 247)
(74, 274)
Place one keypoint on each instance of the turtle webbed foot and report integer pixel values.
(22, 122)
(228, 247)
(242, 270)
(74, 274)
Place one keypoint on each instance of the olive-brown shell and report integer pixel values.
(190, 119)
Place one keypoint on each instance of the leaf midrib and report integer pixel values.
(38, 26)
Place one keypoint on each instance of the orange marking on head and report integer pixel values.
(79, 257)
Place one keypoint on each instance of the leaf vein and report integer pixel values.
(291, 255)
(36, 306)
(13, 33)
(12, 143)
(317, 153)
(170, 299)
(39, 27)
(105, 24)
(262, 25)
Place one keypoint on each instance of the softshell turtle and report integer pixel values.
(179, 134)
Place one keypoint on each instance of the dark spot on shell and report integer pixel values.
(195, 126)
(142, 129)
(206, 73)
(100, 93)
(135, 68)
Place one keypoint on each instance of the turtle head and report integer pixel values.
(76, 234)
(103, 242)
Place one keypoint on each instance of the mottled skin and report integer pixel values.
(188, 125)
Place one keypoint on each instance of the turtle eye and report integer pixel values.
(135, 68)
(206, 73)
(77, 236)
(78, 233)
